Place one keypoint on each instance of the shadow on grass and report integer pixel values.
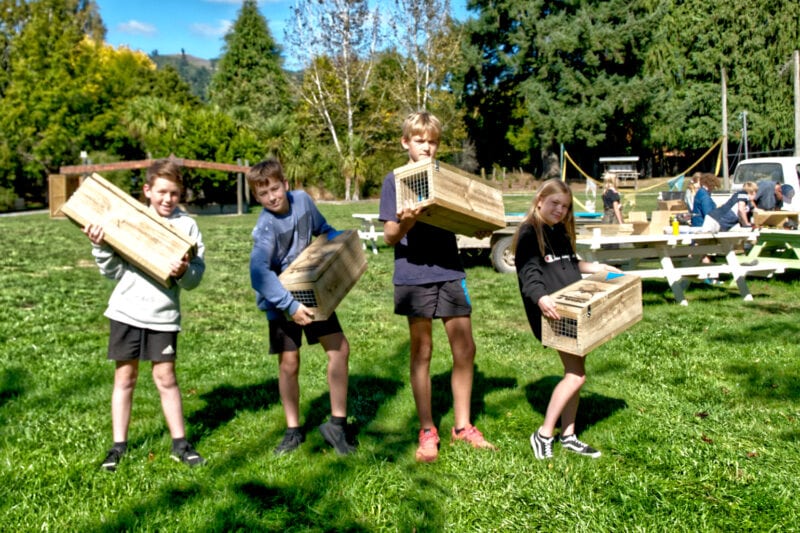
(442, 393)
(12, 384)
(592, 409)
(225, 401)
(365, 396)
(766, 381)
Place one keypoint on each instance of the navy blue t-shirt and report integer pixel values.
(426, 254)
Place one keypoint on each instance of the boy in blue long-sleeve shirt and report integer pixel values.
(285, 227)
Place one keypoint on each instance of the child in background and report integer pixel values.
(145, 318)
(612, 209)
(546, 262)
(285, 228)
(429, 282)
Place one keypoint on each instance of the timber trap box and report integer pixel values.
(322, 275)
(593, 311)
(453, 199)
(132, 229)
(59, 189)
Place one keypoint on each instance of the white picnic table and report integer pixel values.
(367, 232)
(675, 258)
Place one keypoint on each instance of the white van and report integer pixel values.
(777, 169)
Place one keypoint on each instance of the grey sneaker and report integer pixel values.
(542, 447)
(336, 437)
(112, 460)
(572, 444)
(291, 441)
(187, 455)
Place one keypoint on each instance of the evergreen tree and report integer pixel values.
(250, 82)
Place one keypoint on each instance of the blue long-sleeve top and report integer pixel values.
(703, 205)
(277, 241)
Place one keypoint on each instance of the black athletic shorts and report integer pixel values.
(287, 336)
(433, 300)
(127, 343)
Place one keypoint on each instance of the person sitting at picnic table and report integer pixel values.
(703, 204)
(735, 210)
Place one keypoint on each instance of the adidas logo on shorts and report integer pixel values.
(169, 350)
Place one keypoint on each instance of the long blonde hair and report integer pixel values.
(548, 188)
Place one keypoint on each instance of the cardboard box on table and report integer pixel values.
(132, 229)
(453, 199)
(325, 272)
(593, 311)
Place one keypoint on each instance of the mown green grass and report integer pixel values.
(695, 409)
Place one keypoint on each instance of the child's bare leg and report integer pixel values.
(125, 376)
(421, 349)
(459, 333)
(564, 400)
(289, 387)
(171, 404)
(338, 350)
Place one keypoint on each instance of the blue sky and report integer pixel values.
(197, 26)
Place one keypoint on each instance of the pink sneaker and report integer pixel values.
(471, 436)
(428, 449)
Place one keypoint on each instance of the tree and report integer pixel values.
(336, 42)
(250, 82)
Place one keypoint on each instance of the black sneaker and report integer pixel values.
(572, 444)
(112, 460)
(187, 455)
(335, 436)
(291, 441)
(542, 447)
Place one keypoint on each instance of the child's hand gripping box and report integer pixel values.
(325, 272)
(593, 311)
(453, 199)
(132, 229)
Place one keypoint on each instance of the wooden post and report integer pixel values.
(239, 189)
(726, 184)
(796, 56)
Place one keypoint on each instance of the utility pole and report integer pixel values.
(725, 180)
(744, 132)
(796, 103)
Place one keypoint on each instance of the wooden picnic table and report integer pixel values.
(777, 248)
(675, 258)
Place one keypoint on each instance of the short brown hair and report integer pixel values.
(709, 181)
(262, 173)
(166, 169)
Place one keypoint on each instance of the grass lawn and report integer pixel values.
(696, 409)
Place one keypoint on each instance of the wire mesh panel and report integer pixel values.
(593, 311)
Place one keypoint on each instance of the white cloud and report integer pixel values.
(137, 28)
(207, 30)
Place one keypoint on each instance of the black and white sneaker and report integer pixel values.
(291, 441)
(335, 436)
(542, 446)
(187, 455)
(112, 460)
(572, 444)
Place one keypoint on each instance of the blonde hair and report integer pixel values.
(749, 187)
(609, 181)
(549, 188)
(422, 122)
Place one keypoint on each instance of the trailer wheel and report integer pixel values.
(502, 256)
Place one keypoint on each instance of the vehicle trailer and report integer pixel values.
(498, 244)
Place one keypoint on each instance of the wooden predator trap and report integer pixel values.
(593, 311)
(453, 199)
(132, 229)
(325, 271)
(59, 189)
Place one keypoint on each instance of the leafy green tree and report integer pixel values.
(250, 82)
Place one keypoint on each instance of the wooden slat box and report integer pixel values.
(131, 228)
(325, 271)
(593, 311)
(672, 205)
(59, 189)
(774, 219)
(453, 199)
